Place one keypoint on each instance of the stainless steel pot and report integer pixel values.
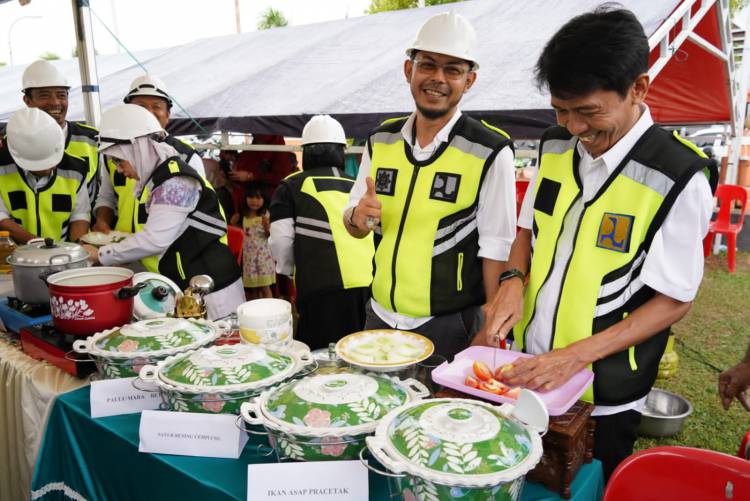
(39, 258)
(664, 414)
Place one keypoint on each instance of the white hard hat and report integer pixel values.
(125, 122)
(450, 34)
(323, 129)
(148, 85)
(43, 74)
(35, 141)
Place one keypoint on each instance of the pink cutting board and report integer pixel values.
(453, 374)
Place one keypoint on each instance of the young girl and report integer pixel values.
(258, 267)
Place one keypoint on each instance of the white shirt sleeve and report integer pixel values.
(82, 208)
(106, 196)
(4, 213)
(674, 263)
(360, 185)
(496, 211)
(526, 216)
(281, 242)
(196, 162)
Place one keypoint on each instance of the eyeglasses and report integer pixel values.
(452, 71)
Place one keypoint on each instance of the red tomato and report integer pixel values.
(471, 381)
(500, 371)
(482, 371)
(494, 386)
(513, 392)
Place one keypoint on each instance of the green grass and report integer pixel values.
(718, 327)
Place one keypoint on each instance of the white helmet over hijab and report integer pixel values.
(42, 74)
(35, 141)
(450, 34)
(123, 123)
(323, 129)
(148, 85)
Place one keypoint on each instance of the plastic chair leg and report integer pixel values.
(708, 242)
(731, 250)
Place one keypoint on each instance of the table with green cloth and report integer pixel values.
(98, 459)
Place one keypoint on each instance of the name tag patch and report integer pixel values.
(614, 232)
(445, 187)
(385, 181)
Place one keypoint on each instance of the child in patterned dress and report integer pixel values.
(258, 267)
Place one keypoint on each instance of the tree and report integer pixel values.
(2, 63)
(49, 56)
(736, 5)
(271, 18)
(386, 5)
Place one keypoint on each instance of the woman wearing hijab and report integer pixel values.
(180, 226)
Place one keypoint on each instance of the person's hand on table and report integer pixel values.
(93, 252)
(101, 226)
(367, 212)
(733, 383)
(241, 176)
(547, 371)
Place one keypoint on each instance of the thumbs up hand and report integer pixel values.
(367, 213)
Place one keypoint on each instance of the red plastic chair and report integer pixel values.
(727, 194)
(521, 187)
(679, 474)
(234, 237)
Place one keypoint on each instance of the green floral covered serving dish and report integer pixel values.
(124, 351)
(220, 378)
(455, 448)
(327, 416)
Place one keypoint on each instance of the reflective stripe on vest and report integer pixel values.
(600, 245)
(428, 221)
(354, 255)
(45, 213)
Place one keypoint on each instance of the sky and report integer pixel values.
(47, 25)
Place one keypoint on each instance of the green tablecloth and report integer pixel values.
(98, 459)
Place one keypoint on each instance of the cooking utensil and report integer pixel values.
(157, 298)
(664, 414)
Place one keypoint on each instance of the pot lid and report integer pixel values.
(157, 298)
(225, 368)
(156, 337)
(46, 252)
(333, 404)
(459, 442)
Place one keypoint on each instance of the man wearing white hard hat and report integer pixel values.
(439, 188)
(184, 232)
(42, 191)
(45, 88)
(332, 269)
(115, 204)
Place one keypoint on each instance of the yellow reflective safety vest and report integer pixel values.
(123, 186)
(604, 243)
(46, 211)
(426, 262)
(82, 142)
(202, 247)
(326, 257)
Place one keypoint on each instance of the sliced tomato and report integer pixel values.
(482, 371)
(471, 381)
(513, 392)
(494, 386)
(500, 371)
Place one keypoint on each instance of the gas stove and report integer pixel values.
(16, 314)
(44, 342)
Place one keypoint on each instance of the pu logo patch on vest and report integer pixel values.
(385, 181)
(445, 187)
(614, 232)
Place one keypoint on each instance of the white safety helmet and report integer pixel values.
(125, 122)
(323, 129)
(43, 74)
(148, 85)
(35, 141)
(450, 34)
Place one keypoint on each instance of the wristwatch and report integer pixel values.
(513, 272)
(350, 219)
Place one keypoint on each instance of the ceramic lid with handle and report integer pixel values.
(344, 403)
(227, 368)
(155, 337)
(46, 252)
(157, 298)
(461, 442)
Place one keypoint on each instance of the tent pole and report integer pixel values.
(87, 61)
